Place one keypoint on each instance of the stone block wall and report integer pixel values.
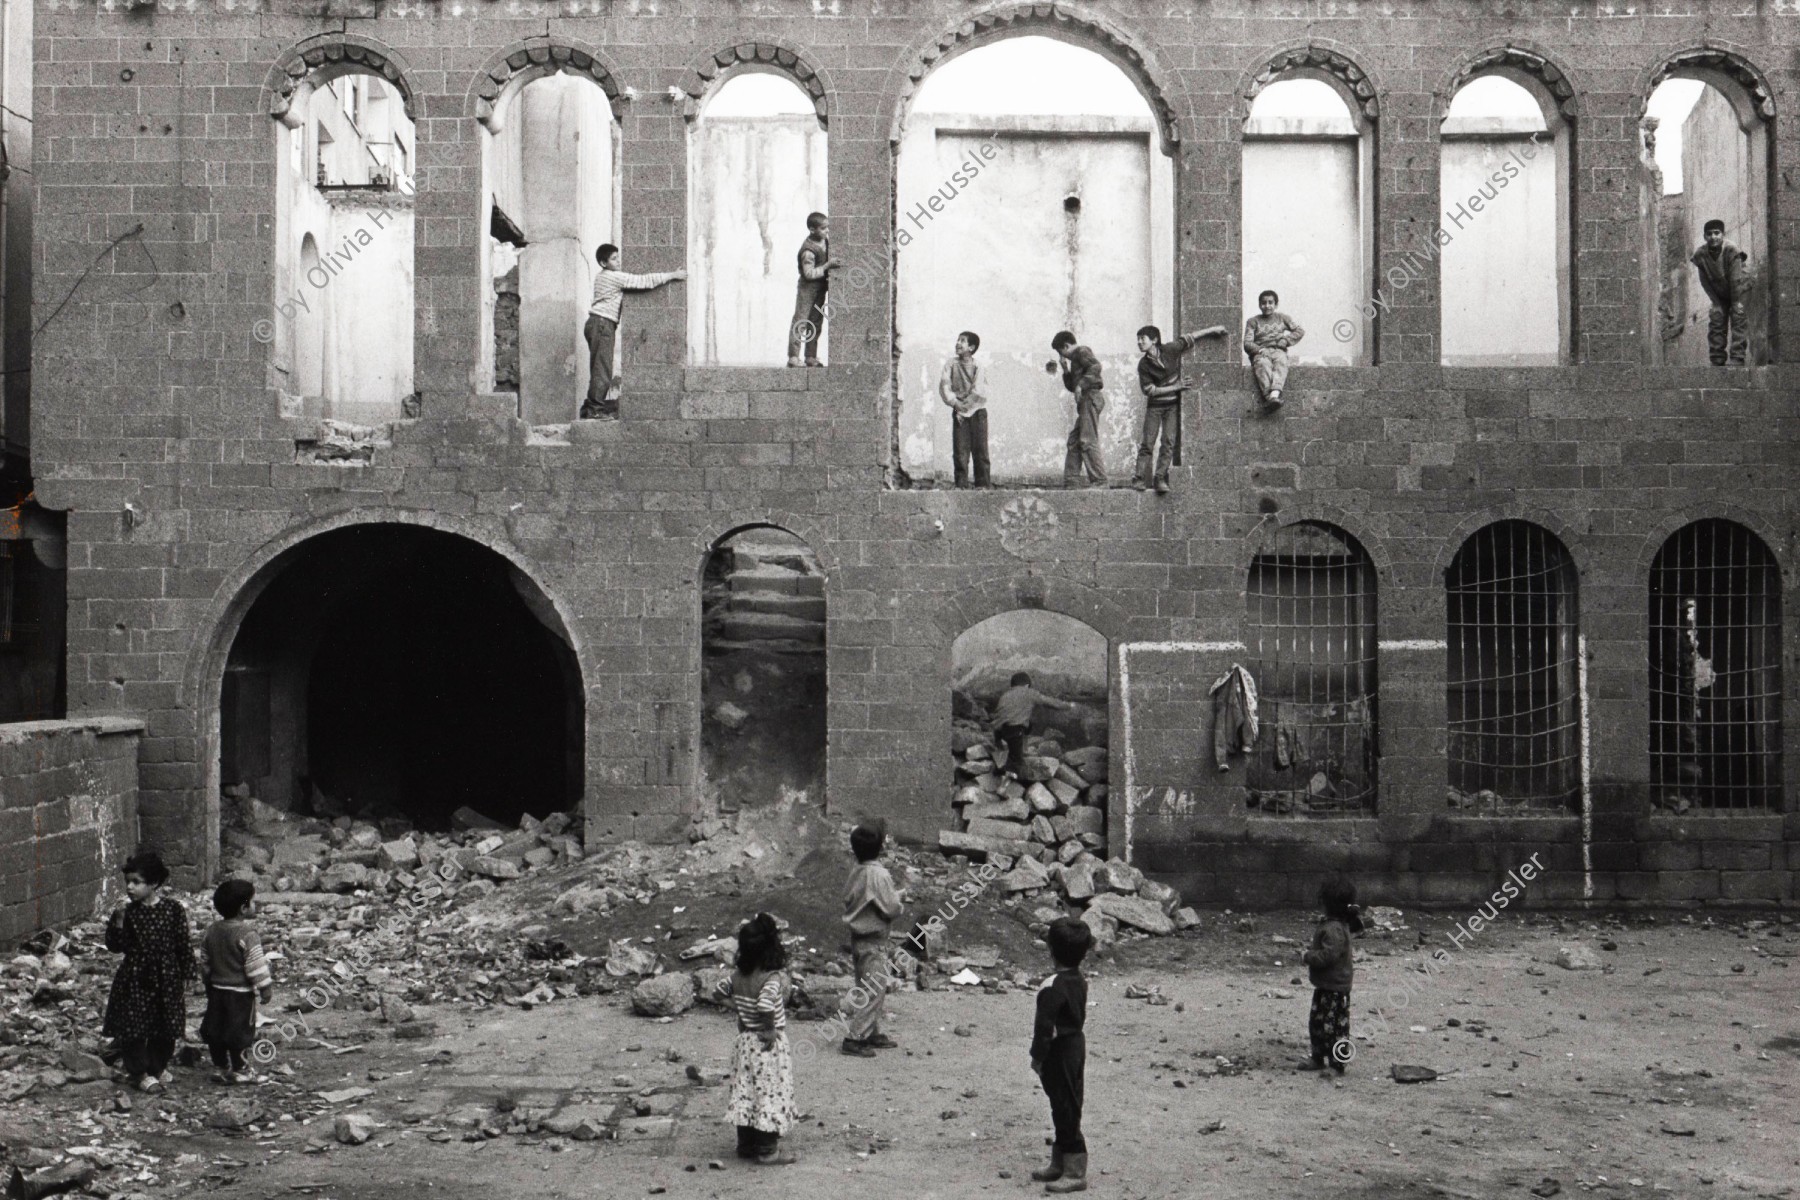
(154, 265)
(68, 818)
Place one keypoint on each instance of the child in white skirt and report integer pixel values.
(762, 1069)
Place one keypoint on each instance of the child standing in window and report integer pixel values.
(1267, 337)
(762, 1070)
(146, 1013)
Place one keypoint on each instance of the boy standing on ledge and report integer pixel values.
(1159, 375)
(602, 329)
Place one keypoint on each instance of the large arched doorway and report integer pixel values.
(399, 672)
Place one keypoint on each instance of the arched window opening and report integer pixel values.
(756, 171)
(1706, 159)
(1715, 670)
(1505, 241)
(343, 341)
(1028, 706)
(1311, 632)
(1513, 694)
(1033, 195)
(763, 733)
(1308, 213)
(551, 199)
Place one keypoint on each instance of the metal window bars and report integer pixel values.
(1715, 670)
(1514, 708)
(1311, 618)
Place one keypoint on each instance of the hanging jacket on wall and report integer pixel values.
(1234, 714)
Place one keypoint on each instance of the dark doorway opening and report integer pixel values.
(390, 670)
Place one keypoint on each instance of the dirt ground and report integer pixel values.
(1671, 1068)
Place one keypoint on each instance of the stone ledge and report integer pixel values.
(99, 724)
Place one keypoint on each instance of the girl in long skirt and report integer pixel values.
(762, 1069)
(146, 1014)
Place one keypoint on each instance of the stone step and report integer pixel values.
(719, 645)
(757, 627)
(777, 580)
(786, 604)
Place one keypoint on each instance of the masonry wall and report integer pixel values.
(68, 818)
(156, 195)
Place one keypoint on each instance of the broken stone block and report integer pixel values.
(1012, 789)
(706, 986)
(1068, 852)
(1186, 918)
(1133, 911)
(1007, 830)
(1097, 794)
(50, 1181)
(980, 751)
(353, 1129)
(400, 855)
(295, 851)
(474, 890)
(81, 1066)
(664, 995)
(988, 783)
(1042, 831)
(1027, 875)
(1094, 841)
(344, 878)
(468, 818)
(1078, 881)
(969, 793)
(1035, 768)
(1079, 820)
(540, 856)
(1579, 957)
(489, 867)
(1161, 895)
(951, 841)
(235, 1113)
(1121, 876)
(567, 847)
(1042, 800)
(1105, 927)
(999, 810)
(1065, 793)
(965, 740)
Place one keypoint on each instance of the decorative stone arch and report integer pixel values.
(239, 591)
(509, 70)
(1580, 552)
(798, 526)
(767, 57)
(1715, 63)
(302, 68)
(1076, 24)
(1314, 60)
(1657, 536)
(1526, 65)
(1049, 593)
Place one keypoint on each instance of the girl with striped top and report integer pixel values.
(762, 1070)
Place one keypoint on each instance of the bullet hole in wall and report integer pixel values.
(127, 75)
(177, 311)
(1072, 204)
(1267, 506)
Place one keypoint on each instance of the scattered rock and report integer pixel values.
(664, 995)
(353, 1129)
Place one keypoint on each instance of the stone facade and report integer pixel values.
(155, 151)
(68, 818)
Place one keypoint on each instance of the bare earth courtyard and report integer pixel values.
(1670, 1068)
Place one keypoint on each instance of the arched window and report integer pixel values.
(1715, 670)
(343, 342)
(1513, 695)
(549, 155)
(1308, 213)
(1033, 195)
(1504, 195)
(1706, 159)
(1311, 631)
(756, 169)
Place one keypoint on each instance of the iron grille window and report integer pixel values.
(1715, 669)
(1514, 705)
(1311, 599)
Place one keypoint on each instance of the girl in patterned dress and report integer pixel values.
(762, 1070)
(1329, 963)
(146, 1014)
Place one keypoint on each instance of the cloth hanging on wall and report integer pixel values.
(1234, 715)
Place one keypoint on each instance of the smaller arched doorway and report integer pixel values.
(388, 671)
(762, 690)
(1028, 736)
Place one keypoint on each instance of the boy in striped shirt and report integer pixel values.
(602, 329)
(237, 974)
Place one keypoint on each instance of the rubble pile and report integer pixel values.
(1043, 823)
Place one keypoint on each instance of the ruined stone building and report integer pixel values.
(1513, 569)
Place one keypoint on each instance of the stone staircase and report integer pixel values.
(764, 595)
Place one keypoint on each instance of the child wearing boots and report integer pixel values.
(762, 1069)
(146, 1013)
(236, 974)
(1328, 963)
(1059, 1054)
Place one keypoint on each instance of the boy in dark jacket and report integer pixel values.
(1059, 1054)
(1082, 465)
(1329, 964)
